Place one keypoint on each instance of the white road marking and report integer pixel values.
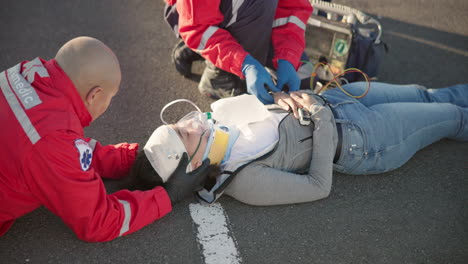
(430, 43)
(213, 234)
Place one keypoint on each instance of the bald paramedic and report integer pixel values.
(47, 161)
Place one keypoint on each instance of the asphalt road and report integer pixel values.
(416, 214)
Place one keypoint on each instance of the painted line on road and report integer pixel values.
(430, 43)
(213, 234)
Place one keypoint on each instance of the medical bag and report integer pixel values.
(342, 37)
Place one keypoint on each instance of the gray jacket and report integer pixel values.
(299, 168)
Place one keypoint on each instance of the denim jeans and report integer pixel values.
(384, 129)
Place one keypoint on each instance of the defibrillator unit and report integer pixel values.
(328, 41)
(343, 37)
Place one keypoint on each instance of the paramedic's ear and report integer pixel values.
(93, 94)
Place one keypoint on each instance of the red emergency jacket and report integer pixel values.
(46, 160)
(197, 16)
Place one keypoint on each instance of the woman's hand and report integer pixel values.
(303, 100)
(286, 102)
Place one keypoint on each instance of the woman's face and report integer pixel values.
(195, 139)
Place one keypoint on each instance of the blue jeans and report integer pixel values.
(383, 130)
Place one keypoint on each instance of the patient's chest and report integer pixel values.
(256, 138)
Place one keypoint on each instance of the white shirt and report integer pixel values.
(254, 140)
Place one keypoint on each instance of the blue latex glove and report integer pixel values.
(287, 75)
(258, 80)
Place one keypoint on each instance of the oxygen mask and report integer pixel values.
(198, 123)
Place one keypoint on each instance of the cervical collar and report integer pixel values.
(217, 144)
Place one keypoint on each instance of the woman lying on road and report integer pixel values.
(267, 157)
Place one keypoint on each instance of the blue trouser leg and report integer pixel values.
(380, 93)
(386, 128)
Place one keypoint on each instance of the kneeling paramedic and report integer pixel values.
(46, 159)
(237, 39)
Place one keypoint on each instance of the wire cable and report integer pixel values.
(336, 77)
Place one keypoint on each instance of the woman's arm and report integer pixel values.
(264, 185)
(286, 102)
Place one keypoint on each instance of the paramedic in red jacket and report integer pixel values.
(46, 159)
(237, 38)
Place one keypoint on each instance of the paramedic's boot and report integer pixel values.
(183, 57)
(217, 83)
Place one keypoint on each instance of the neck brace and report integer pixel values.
(217, 144)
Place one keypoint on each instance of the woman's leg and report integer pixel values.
(394, 132)
(380, 93)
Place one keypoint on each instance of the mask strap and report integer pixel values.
(198, 146)
(173, 102)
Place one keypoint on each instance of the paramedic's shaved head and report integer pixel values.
(94, 70)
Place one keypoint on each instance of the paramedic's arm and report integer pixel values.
(113, 161)
(288, 35)
(198, 28)
(79, 197)
(269, 186)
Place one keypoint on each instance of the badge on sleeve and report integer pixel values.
(86, 153)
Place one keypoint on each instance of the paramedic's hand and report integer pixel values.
(287, 75)
(258, 80)
(181, 184)
(286, 102)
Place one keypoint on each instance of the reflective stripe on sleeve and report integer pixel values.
(236, 4)
(23, 89)
(92, 144)
(128, 215)
(206, 36)
(15, 106)
(292, 19)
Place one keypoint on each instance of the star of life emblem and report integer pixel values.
(86, 154)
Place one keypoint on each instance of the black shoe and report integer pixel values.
(183, 57)
(217, 83)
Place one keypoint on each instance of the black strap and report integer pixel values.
(340, 141)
